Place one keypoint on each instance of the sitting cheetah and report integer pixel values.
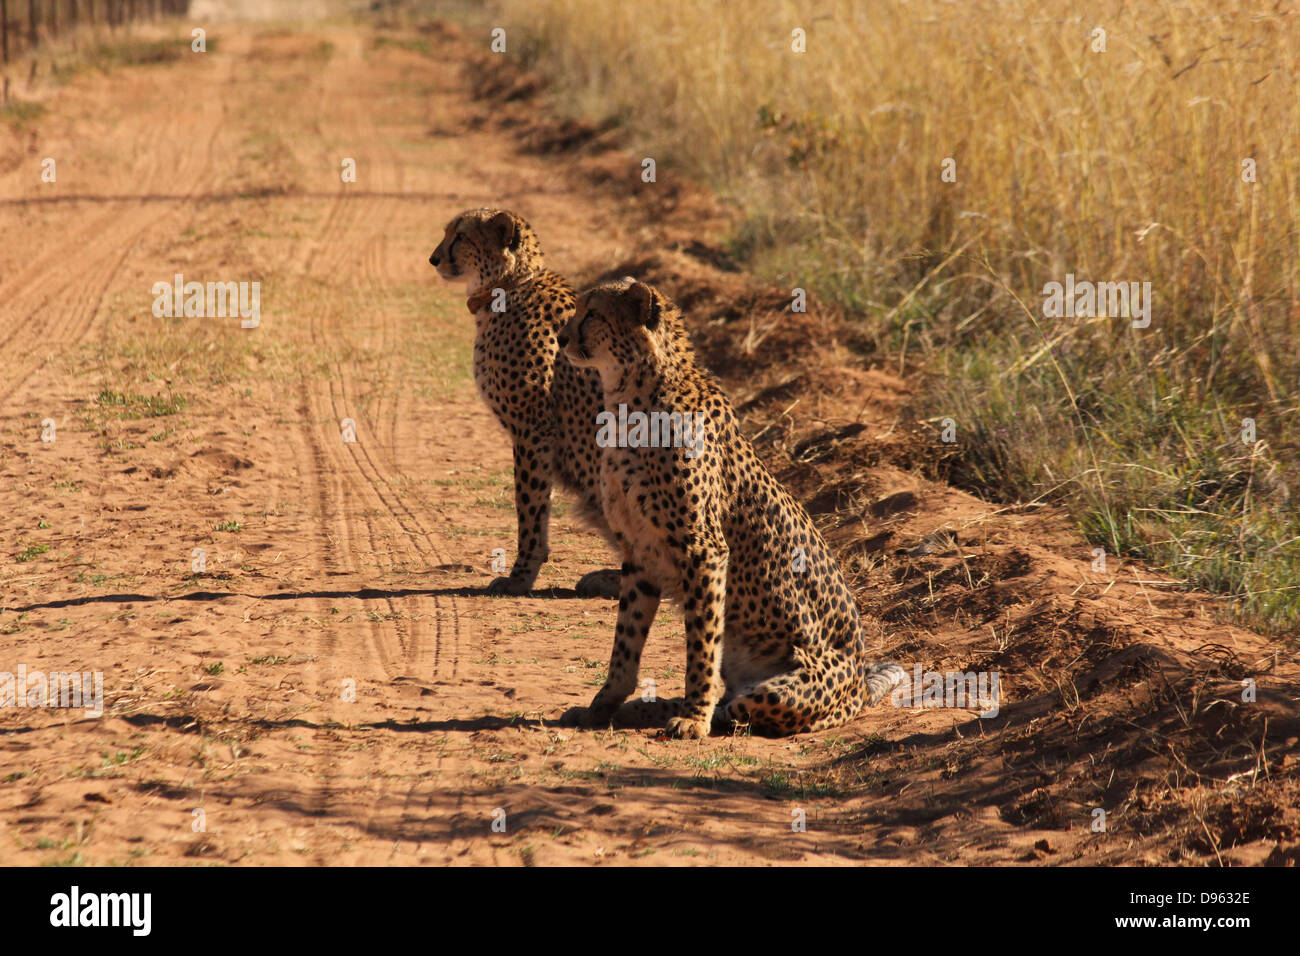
(519, 306)
(696, 516)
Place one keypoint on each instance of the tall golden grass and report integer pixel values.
(1122, 156)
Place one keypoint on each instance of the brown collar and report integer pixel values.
(482, 297)
(479, 299)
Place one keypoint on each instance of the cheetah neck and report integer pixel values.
(619, 381)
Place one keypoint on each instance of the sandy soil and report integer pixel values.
(228, 736)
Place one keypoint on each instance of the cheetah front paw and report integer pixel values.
(513, 586)
(688, 728)
(588, 717)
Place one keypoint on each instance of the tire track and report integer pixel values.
(374, 458)
(48, 303)
(367, 230)
(360, 510)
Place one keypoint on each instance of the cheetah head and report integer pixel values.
(483, 246)
(618, 323)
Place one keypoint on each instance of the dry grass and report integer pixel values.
(1122, 165)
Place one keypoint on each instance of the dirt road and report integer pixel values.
(327, 683)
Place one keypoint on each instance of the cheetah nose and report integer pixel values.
(563, 340)
(434, 260)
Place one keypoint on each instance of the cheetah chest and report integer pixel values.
(509, 368)
(629, 518)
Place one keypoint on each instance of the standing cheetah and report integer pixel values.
(702, 520)
(546, 405)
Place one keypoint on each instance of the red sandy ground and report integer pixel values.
(365, 562)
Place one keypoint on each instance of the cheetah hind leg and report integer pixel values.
(781, 705)
(603, 583)
(771, 708)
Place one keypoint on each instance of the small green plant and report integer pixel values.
(32, 551)
(121, 757)
(141, 406)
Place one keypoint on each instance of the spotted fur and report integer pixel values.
(544, 403)
(773, 637)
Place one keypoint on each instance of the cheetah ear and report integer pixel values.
(649, 304)
(507, 230)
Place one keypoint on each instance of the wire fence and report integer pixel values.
(26, 24)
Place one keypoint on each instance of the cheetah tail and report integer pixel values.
(882, 677)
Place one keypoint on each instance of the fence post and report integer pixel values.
(4, 28)
(31, 23)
